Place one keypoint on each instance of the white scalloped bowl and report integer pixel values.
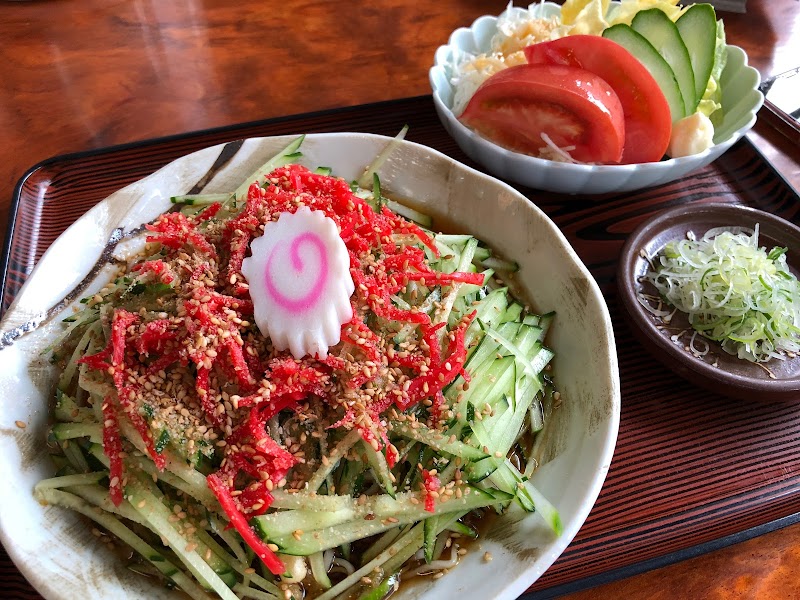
(741, 100)
(55, 549)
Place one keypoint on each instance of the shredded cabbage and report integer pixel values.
(733, 291)
(516, 29)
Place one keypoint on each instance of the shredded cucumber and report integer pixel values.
(356, 501)
(733, 291)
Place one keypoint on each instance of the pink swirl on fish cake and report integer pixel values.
(313, 296)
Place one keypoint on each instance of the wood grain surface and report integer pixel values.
(81, 75)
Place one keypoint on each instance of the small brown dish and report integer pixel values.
(717, 371)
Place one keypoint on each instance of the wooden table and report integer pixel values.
(77, 76)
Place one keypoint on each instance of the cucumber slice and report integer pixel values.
(698, 28)
(663, 34)
(637, 44)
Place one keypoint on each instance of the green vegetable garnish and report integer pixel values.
(733, 291)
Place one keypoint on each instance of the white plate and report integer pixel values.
(55, 549)
(741, 100)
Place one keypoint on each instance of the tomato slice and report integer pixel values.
(647, 118)
(576, 109)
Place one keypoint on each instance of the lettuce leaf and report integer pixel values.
(711, 102)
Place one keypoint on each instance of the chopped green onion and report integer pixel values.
(733, 292)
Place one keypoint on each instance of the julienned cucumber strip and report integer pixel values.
(365, 181)
(429, 526)
(391, 558)
(382, 589)
(199, 199)
(288, 155)
(437, 440)
(71, 480)
(309, 501)
(468, 288)
(199, 538)
(412, 539)
(409, 213)
(380, 468)
(69, 431)
(286, 522)
(201, 494)
(382, 543)
(488, 347)
(98, 495)
(500, 265)
(490, 310)
(533, 363)
(464, 261)
(331, 537)
(466, 530)
(240, 564)
(158, 518)
(67, 410)
(398, 560)
(545, 509)
(334, 457)
(311, 513)
(115, 527)
(490, 382)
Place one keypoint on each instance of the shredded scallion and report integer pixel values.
(733, 292)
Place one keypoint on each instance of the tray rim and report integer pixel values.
(578, 584)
